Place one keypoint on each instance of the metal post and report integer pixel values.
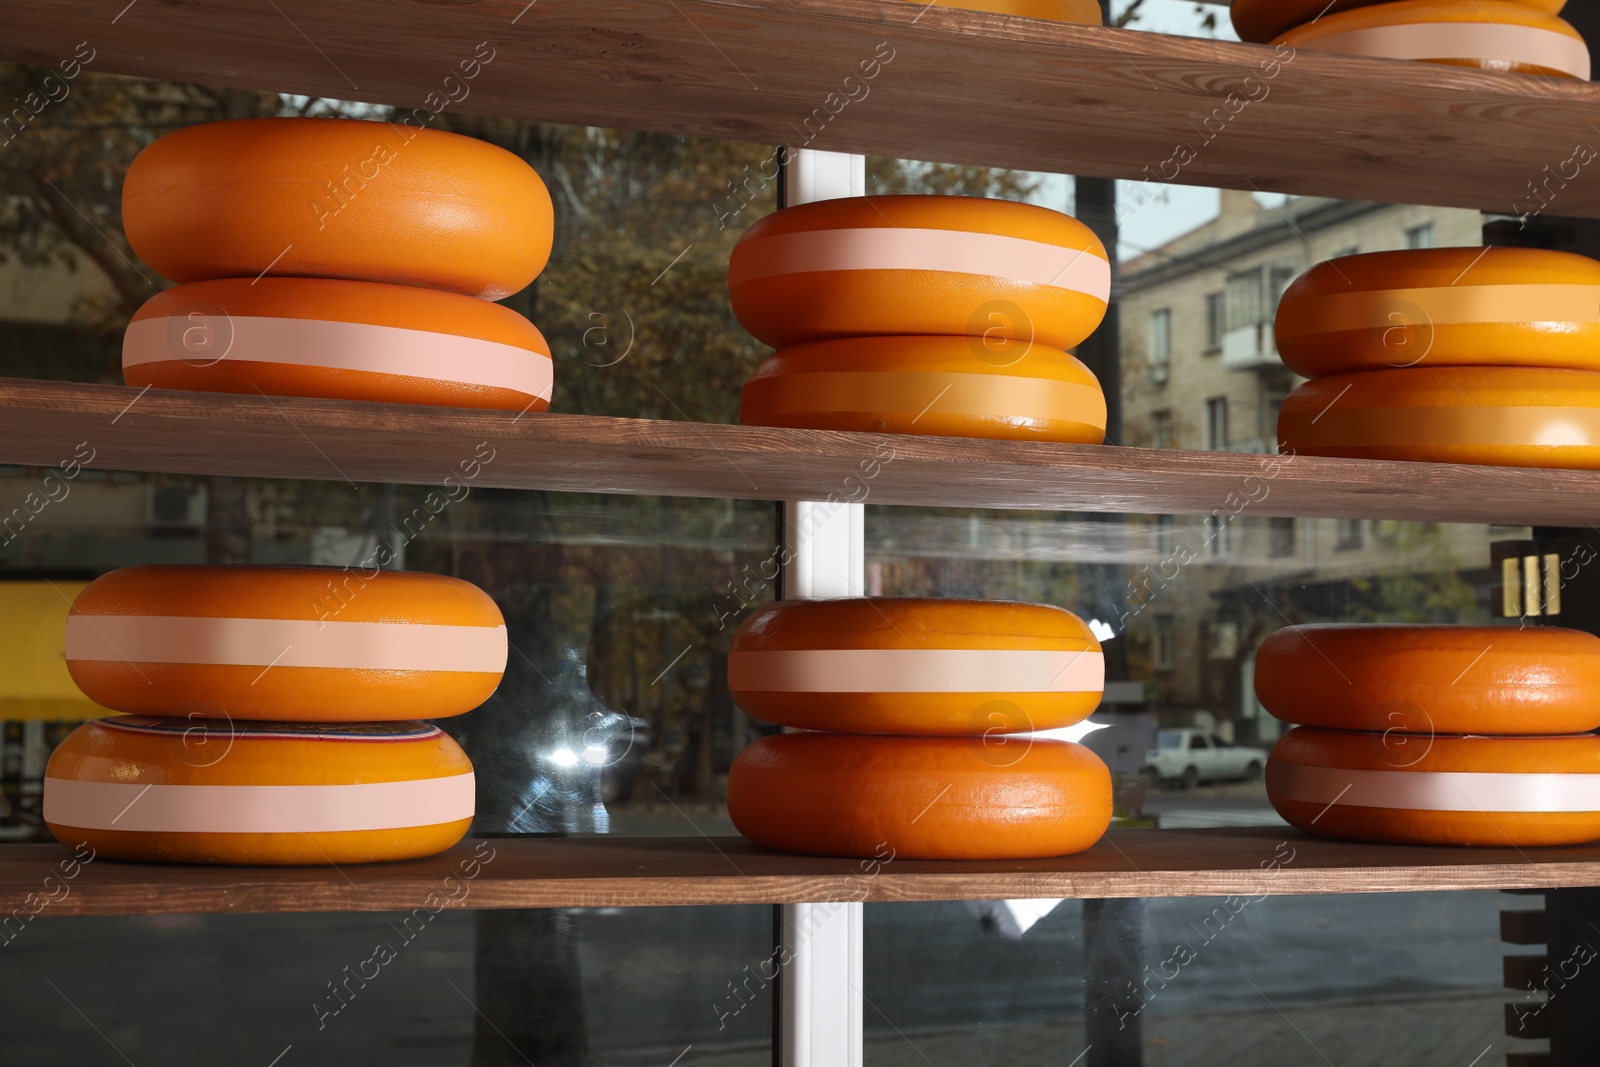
(818, 1000)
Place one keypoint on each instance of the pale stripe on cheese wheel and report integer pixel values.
(1492, 791)
(1262, 21)
(932, 798)
(285, 643)
(347, 340)
(211, 791)
(1442, 307)
(939, 265)
(1426, 679)
(338, 198)
(1491, 34)
(916, 665)
(1493, 416)
(938, 386)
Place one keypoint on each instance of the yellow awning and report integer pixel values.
(34, 683)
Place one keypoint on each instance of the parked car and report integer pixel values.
(1189, 757)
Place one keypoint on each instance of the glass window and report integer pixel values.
(1161, 435)
(1169, 739)
(1283, 537)
(1161, 336)
(1217, 424)
(1197, 741)
(1420, 236)
(1166, 636)
(1216, 311)
(1349, 534)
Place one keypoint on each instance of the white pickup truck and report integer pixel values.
(1189, 757)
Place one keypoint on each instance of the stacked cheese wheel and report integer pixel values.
(1449, 355)
(1519, 36)
(938, 315)
(269, 714)
(918, 718)
(1441, 735)
(338, 258)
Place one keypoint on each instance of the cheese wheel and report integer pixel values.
(339, 340)
(208, 791)
(1487, 34)
(1443, 790)
(929, 798)
(1432, 679)
(1082, 12)
(338, 198)
(1263, 21)
(916, 665)
(938, 386)
(1442, 307)
(285, 643)
(1495, 416)
(944, 265)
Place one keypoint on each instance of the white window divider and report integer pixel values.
(819, 998)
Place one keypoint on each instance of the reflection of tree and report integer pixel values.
(1424, 586)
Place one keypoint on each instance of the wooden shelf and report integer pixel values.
(962, 87)
(545, 872)
(43, 424)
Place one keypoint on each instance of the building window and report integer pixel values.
(1166, 539)
(1161, 434)
(1216, 308)
(1166, 642)
(1349, 534)
(1420, 236)
(1353, 250)
(1217, 533)
(1217, 424)
(1283, 533)
(1160, 342)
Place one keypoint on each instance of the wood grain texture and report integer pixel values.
(545, 872)
(44, 423)
(962, 87)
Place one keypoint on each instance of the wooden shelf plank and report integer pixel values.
(46, 423)
(546, 872)
(962, 86)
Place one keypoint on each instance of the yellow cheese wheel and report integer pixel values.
(1494, 416)
(340, 340)
(1444, 790)
(864, 266)
(916, 665)
(1262, 21)
(939, 386)
(1420, 679)
(338, 198)
(1442, 307)
(209, 791)
(285, 643)
(930, 798)
(1488, 34)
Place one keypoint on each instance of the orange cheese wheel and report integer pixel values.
(945, 265)
(1082, 12)
(209, 791)
(1442, 307)
(939, 386)
(1263, 21)
(1487, 34)
(1442, 790)
(285, 643)
(340, 340)
(1495, 416)
(338, 198)
(1432, 679)
(916, 665)
(929, 798)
